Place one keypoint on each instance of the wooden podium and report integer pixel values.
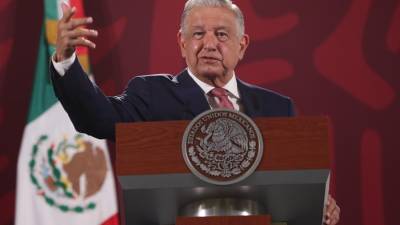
(291, 181)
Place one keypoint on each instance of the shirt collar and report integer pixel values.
(231, 86)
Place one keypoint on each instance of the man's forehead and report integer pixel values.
(202, 18)
(211, 12)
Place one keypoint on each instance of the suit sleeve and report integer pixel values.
(90, 110)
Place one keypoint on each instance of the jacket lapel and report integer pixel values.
(249, 100)
(190, 94)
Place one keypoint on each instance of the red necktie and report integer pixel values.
(222, 96)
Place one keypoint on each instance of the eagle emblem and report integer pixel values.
(221, 146)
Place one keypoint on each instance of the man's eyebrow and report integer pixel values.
(216, 28)
(222, 28)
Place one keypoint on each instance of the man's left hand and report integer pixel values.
(332, 212)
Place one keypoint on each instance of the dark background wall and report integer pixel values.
(338, 58)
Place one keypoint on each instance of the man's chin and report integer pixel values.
(211, 72)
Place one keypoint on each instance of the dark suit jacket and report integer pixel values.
(150, 98)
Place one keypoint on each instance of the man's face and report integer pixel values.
(211, 45)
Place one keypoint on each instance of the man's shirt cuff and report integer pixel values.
(63, 66)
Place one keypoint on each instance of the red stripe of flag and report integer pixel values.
(80, 12)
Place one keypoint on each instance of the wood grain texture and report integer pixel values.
(289, 144)
(225, 220)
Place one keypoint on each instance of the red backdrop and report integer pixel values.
(339, 58)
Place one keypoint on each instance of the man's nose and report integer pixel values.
(210, 42)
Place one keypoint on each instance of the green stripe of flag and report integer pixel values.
(51, 10)
(42, 93)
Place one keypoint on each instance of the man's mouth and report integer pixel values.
(210, 59)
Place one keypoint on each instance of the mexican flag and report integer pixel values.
(63, 177)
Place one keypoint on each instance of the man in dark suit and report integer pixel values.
(212, 41)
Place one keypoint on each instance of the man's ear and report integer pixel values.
(244, 43)
(181, 43)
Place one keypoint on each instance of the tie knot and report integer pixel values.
(219, 92)
(222, 96)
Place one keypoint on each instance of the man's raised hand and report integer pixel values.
(71, 34)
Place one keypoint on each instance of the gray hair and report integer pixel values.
(190, 4)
